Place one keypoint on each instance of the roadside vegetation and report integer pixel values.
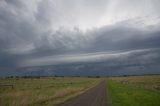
(42, 91)
(49, 91)
(134, 91)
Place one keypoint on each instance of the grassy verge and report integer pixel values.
(43, 91)
(133, 94)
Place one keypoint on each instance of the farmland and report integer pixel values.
(134, 91)
(42, 91)
(50, 91)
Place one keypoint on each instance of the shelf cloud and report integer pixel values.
(54, 32)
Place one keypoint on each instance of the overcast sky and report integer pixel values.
(48, 32)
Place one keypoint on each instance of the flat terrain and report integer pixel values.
(93, 97)
(42, 91)
(76, 91)
(134, 91)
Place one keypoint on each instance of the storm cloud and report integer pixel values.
(54, 32)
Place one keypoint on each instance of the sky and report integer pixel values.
(54, 32)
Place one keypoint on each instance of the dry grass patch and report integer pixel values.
(43, 91)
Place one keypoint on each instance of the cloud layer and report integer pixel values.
(38, 32)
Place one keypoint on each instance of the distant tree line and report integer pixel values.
(38, 77)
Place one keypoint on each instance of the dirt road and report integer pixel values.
(94, 97)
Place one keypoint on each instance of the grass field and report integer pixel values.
(43, 91)
(49, 91)
(134, 91)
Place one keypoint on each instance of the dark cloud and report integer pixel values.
(44, 32)
(126, 38)
(131, 62)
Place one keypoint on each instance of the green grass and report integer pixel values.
(133, 94)
(145, 82)
(43, 91)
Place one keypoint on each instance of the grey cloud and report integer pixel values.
(141, 57)
(35, 30)
(131, 62)
(126, 38)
